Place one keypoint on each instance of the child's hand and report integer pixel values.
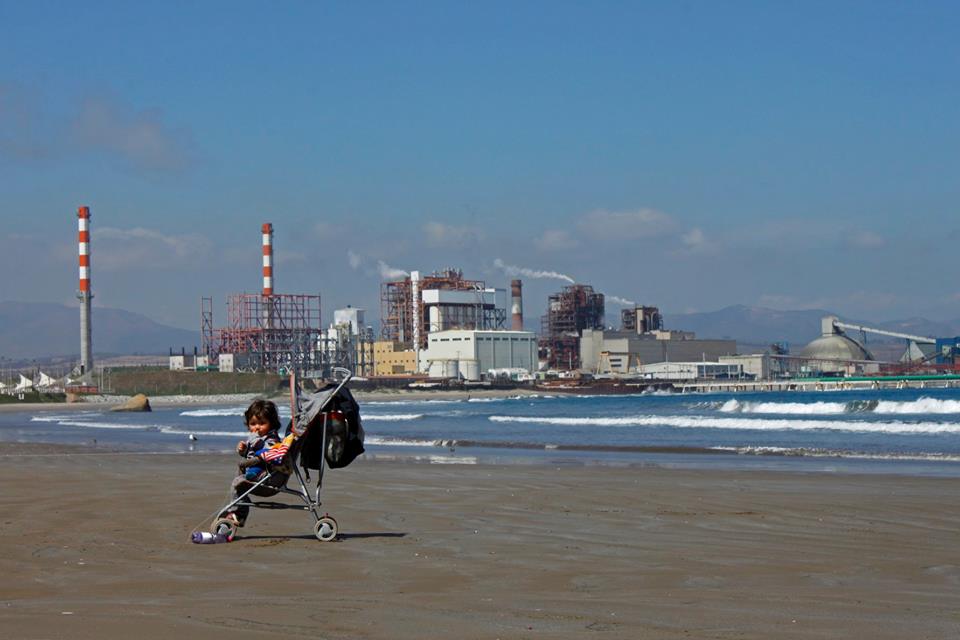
(242, 447)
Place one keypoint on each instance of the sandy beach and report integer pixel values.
(93, 544)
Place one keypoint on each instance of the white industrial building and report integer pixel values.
(623, 352)
(691, 371)
(470, 354)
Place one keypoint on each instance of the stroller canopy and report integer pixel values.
(344, 439)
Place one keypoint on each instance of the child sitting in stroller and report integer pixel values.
(259, 449)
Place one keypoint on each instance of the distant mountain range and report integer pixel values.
(38, 330)
(757, 325)
(42, 330)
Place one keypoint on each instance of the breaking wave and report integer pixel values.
(703, 422)
(923, 405)
(391, 417)
(211, 413)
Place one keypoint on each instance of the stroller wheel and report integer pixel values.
(326, 529)
(224, 526)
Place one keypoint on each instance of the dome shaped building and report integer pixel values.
(835, 353)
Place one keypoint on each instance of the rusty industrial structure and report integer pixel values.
(277, 332)
(413, 307)
(265, 331)
(575, 308)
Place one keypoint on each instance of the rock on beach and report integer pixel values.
(138, 402)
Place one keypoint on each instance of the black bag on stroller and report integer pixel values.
(344, 437)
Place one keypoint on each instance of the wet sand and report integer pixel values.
(94, 545)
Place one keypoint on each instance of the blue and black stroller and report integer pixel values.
(324, 432)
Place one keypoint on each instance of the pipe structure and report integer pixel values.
(516, 307)
(85, 294)
(267, 230)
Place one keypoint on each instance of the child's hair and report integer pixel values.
(265, 410)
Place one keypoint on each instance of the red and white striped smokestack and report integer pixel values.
(86, 293)
(267, 259)
(516, 308)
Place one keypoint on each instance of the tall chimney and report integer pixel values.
(415, 295)
(85, 295)
(267, 259)
(516, 307)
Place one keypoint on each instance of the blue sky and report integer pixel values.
(689, 155)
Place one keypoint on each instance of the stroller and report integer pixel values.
(325, 431)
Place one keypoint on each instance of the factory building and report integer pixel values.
(570, 312)
(623, 352)
(392, 358)
(691, 371)
(472, 354)
(415, 306)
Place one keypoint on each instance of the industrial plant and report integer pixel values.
(444, 327)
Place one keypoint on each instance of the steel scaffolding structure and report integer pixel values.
(569, 312)
(278, 332)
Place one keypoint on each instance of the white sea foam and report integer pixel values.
(107, 425)
(391, 417)
(177, 431)
(406, 402)
(918, 406)
(703, 422)
(211, 413)
(399, 442)
(914, 407)
(792, 408)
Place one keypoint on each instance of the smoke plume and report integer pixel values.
(511, 270)
(389, 273)
(623, 302)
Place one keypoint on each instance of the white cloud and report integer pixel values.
(440, 235)
(115, 249)
(626, 225)
(355, 259)
(139, 137)
(694, 239)
(555, 240)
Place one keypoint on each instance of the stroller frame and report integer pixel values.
(325, 527)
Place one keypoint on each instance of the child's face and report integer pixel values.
(258, 426)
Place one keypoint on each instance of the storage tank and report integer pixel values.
(470, 370)
(444, 368)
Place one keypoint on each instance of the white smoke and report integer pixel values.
(511, 270)
(390, 273)
(355, 259)
(623, 302)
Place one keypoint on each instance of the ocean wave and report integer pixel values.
(177, 431)
(805, 452)
(920, 406)
(211, 413)
(703, 422)
(367, 403)
(401, 442)
(391, 417)
(67, 422)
